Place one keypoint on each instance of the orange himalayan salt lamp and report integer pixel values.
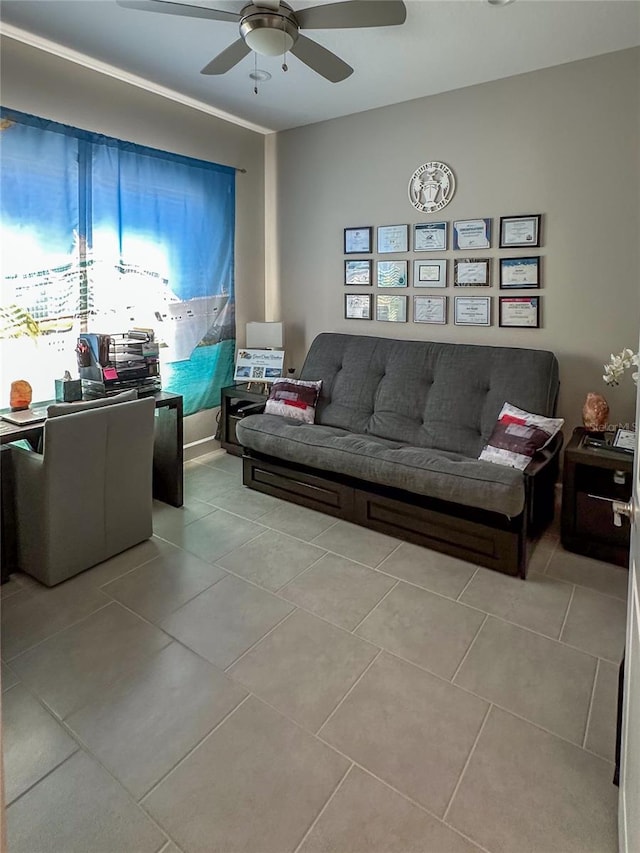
(21, 394)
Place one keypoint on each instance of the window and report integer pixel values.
(104, 235)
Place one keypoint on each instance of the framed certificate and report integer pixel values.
(625, 439)
(357, 272)
(518, 273)
(357, 241)
(430, 309)
(472, 234)
(391, 308)
(472, 311)
(472, 272)
(520, 230)
(393, 238)
(392, 273)
(431, 273)
(358, 306)
(430, 237)
(519, 312)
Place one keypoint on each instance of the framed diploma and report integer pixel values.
(472, 234)
(472, 311)
(357, 272)
(358, 306)
(392, 274)
(430, 309)
(519, 273)
(520, 312)
(472, 272)
(520, 230)
(391, 308)
(431, 273)
(357, 241)
(393, 238)
(430, 237)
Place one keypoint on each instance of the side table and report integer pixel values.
(594, 477)
(236, 402)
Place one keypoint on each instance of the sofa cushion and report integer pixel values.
(424, 471)
(426, 394)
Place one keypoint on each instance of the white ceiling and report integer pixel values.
(444, 45)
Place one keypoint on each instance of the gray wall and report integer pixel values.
(44, 85)
(563, 142)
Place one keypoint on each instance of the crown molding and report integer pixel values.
(124, 76)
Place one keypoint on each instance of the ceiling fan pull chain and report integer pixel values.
(255, 73)
(285, 67)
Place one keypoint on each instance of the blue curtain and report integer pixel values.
(103, 235)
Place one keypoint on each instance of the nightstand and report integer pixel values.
(236, 402)
(593, 478)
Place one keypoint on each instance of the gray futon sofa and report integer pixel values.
(398, 430)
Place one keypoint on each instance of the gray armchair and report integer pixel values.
(88, 495)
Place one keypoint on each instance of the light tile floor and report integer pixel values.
(263, 678)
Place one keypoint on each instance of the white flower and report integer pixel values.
(618, 364)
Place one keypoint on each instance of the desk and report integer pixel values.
(168, 454)
(168, 458)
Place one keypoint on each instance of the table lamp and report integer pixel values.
(264, 335)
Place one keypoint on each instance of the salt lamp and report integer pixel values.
(21, 395)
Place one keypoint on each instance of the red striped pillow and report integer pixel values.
(294, 398)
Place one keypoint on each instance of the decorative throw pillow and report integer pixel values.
(293, 398)
(518, 436)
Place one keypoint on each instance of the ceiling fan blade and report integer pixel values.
(356, 13)
(182, 9)
(321, 60)
(229, 57)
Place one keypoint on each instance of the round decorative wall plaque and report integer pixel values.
(431, 187)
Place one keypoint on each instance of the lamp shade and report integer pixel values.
(264, 336)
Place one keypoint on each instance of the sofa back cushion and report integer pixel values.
(426, 394)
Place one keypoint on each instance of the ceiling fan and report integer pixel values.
(271, 27)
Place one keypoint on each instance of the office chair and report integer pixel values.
(88, 496)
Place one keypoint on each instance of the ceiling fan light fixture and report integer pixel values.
(499, 2)
(268, 35)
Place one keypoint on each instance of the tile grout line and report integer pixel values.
(348, 693)
(259, 640)
(402, 794)
(42, 778)
(466, 764)
(323, 809)
(300, 573)
(466, 654)
(466, 586)
(170, 612)
(108, 601)
(490, 701)
(591, 701)
(374, 608)
(566, 614)
(140, 800)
